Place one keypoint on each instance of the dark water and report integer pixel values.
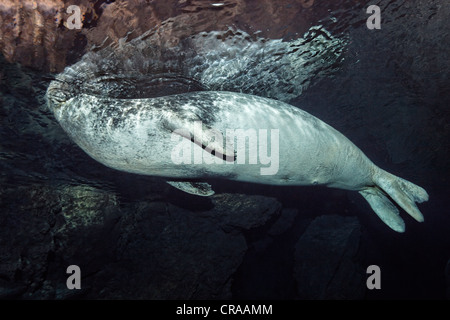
(387, 90)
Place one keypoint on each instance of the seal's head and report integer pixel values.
(63, 88)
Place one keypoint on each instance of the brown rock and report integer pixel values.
(35, 33)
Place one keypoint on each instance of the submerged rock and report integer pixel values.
(138, 250)
(284, 222)
(326, 265)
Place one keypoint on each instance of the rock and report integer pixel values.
(166, 252)
(25, 225)
(243, 211)
(138, 250)
(325, 260)
(46, 229)
(35, 33)
(284, 222)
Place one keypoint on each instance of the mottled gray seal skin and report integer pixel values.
(136, 135)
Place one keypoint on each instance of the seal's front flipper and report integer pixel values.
(215, 143)
(384, 208)
(198, 188)
(211, 140)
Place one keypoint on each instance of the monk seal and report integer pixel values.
(136, 135)
(186, 132)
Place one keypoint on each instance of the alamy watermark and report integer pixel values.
(74, 280)
(74, 20)
(374, 280)
(239, 146)
(374, 21)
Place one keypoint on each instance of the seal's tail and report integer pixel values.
(404, 193)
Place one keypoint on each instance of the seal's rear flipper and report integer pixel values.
(403, 192)
(198, 188)
(384, 208)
